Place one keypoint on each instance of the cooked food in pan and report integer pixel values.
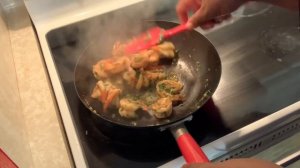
(138, 82)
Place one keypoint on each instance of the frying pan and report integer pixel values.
(198, 68)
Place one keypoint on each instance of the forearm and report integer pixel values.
(290, 4)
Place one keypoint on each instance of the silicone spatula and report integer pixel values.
(152, 37)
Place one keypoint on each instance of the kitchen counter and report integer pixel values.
(35, 137)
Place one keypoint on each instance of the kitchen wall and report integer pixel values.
(13, 138)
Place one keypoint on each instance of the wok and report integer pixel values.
(198, 68)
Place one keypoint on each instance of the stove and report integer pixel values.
(256, 104)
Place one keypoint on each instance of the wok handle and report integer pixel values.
(189, 148)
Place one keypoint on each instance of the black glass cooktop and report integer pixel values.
(255, 83)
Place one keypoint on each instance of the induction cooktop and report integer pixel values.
(257, 95)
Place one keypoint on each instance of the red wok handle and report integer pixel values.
(189, 148)
(175, 30)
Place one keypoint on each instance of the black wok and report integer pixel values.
(198, 67)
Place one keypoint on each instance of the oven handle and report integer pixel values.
(290, 159)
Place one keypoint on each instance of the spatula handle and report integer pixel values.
(175, 30)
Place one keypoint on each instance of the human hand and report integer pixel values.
(206, 12)
(235, 163)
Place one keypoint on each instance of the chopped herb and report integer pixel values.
(132, 97)
(168, 90)
(148, 103)
(172, 91)
(172, 76)
(135, 98)
(162, 86)
(137, 74)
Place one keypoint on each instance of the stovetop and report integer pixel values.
(255, 82)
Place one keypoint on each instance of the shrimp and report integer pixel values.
(111, 96)
(153, 58)
(115, 66)
(166, 50)
(106, 93)
(155, 74)
(98, 71)
(162, 108)
(130, 77)
(142, 81)
(136, 79)
(104, 68)
(128, 108)
(170, 88)
(140, 60)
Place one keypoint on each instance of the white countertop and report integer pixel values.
(31, 133)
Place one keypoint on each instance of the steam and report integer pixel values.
(120, 25)
(94, 37)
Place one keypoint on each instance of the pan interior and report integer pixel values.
(198, 67)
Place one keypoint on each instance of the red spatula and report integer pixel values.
(152, 37)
